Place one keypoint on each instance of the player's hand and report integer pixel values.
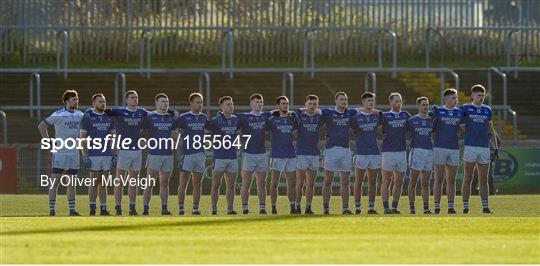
(108, 111)
(87, 112)
(219, 113)
(496, 154)
(171, 112)
(114, 161)
(87, 162)
(275, 113)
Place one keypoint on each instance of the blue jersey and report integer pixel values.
(308, 126)
(421, 129)
(337, 126)
(282, 128)
(128, 124)
(365, 129)
(192, 125)
(223, 126)
(447, 126)
(160, 127)
(394, 129)
(255, 126)
(98, 126)
(477, 125)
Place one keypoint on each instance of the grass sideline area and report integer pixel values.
(511, 235)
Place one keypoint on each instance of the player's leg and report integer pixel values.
(437, 187)
(345, 191)
(214, 194)
(451, 186)
(274, 182)
(310, 186)
(93, 191)
(468, 171)
(386, 178)
(53, 189)
(372, 189)
(424, 182)
(291, 191)
(182, 186)
(327, 190)
(71, 193)
(196, 180)
(164, 177)
(483, 185)
(260, 177)
(147, 193)
(132, 191)
(397, 185)
(411, 192)
(300, 178)
(120, 175)
(230, 179)
(246, 186)
(357, 190)
(102, 193)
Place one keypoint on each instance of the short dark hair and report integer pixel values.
(224, 98)
(339, 94)
(195, 95)
(367, 95)
(449, 91)
(160, 95)
(129, 92)
(393, 95)
(312, 97)
(420, 99)
(95, 96)
(255, 96)
(478, 88)
(282, 97)
(68, 95)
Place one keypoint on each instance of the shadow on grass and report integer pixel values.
(173, 221)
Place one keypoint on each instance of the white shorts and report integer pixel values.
(193, 162)
(372, 161)
(474, 154)
(65, 161)
(255, 162)
(442, 156)
(337, 159)
(305, 162)
(421, 159)
(394, 161)
(160, 162)
(226, 165)
(283, 164)
(100, 163)
(129, 160)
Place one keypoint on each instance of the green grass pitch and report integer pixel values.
(511, 235)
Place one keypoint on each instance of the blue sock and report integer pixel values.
(308, 206)
(371, 205)
(465, 205)
(437, 205)
(71, 204)
(245, 207)
(132, 206)
(411, 206)
(358, 205)
(485, 204)
(195, 207)
(394, 204)
(181, 205)
(345, 207)
(52, 205)
(450, 205)
(164, 207)
(385, 205)
(146, 207)
(92, 206)
(117, 207)
(103, 207)
(262, 207)
(326, 207)
(230, 208)
(426, 205)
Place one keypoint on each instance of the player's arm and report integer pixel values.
(493, 133)
(82, 135)
(42, 127)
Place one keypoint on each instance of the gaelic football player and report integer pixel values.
(225, 127)
(394, 154)
(159, 163)
(254, 154)
(478, 131)
(307, 150)
(281, 124)
(66, 122)
(421, 155)
(98, 160)
(367, 157)
(192, 124)
(446, 148)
